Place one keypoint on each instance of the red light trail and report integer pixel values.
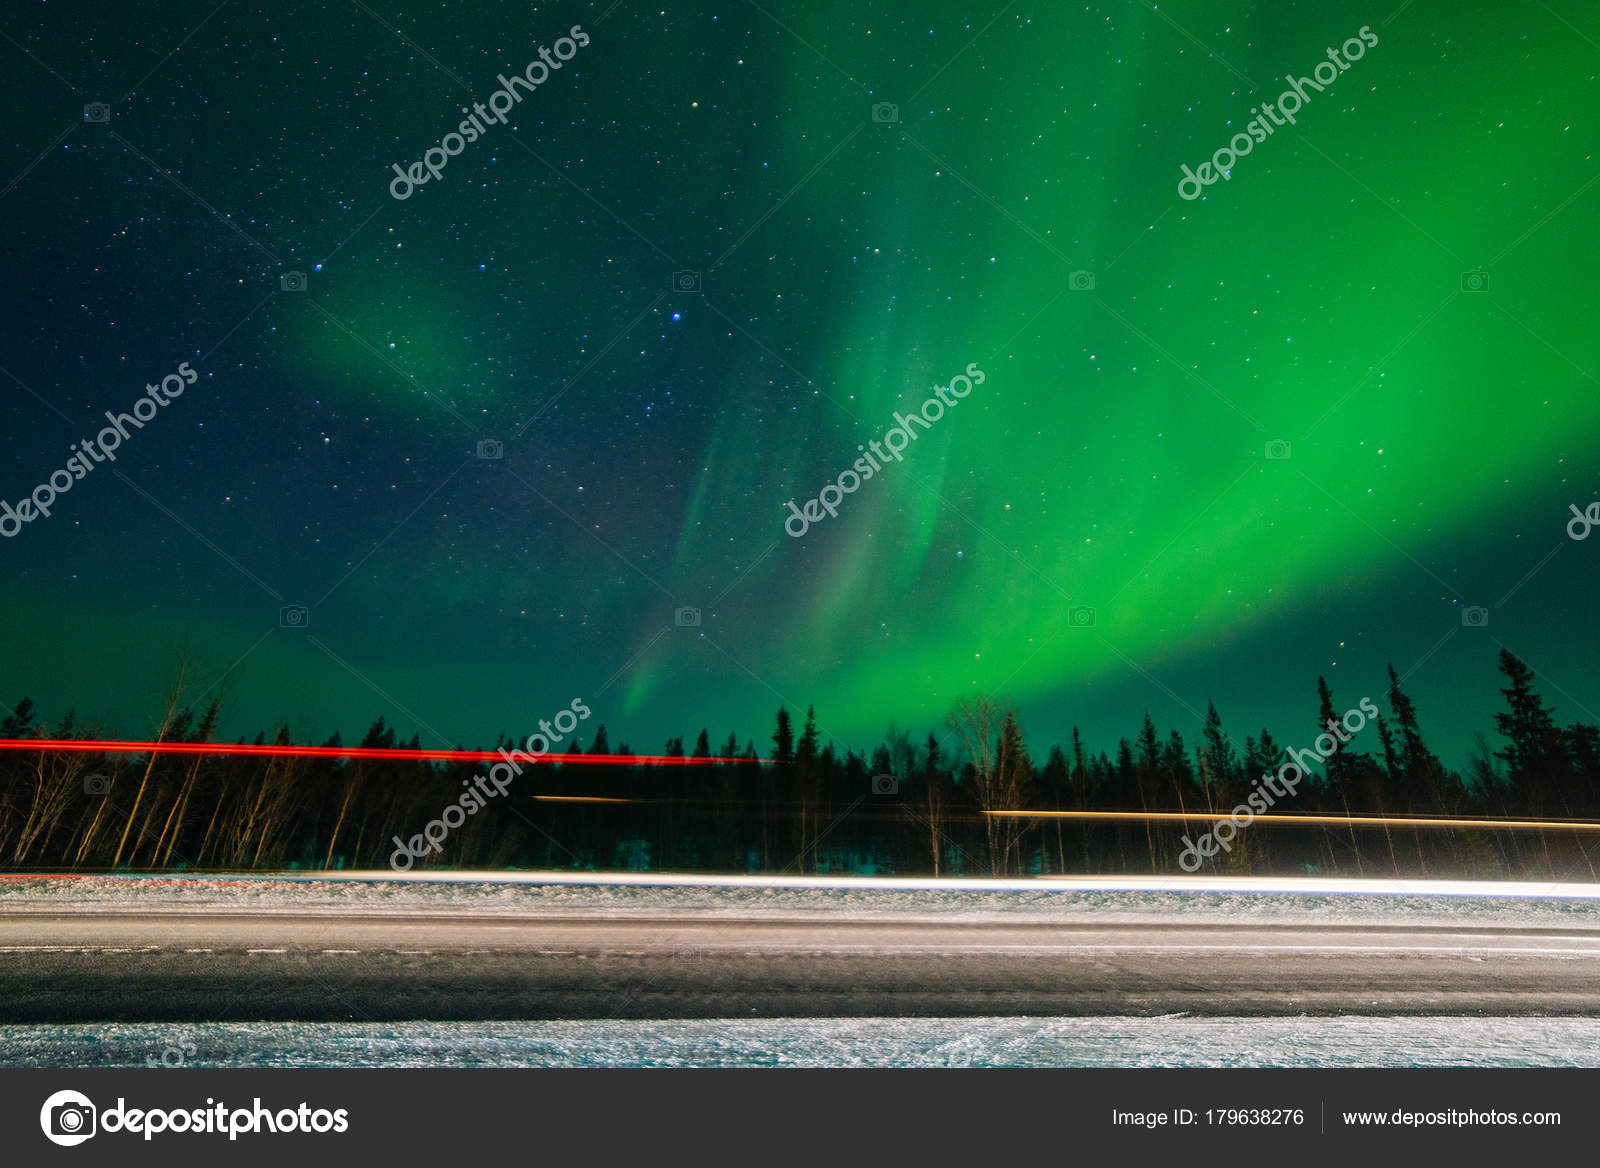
(88, 746)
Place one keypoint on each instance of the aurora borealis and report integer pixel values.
(1099, 529)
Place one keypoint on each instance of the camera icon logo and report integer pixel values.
(885, 113)
(1278, 448)
(491, 450)
(687, 618)
(885, 785)
(98, 112)
(292, 282)
(684, 953)
(1475, 617)
(687, 280)
(294, 616)
(1474, 281)
(96, 785)
(1080, 616)
(1080, 281)
(68, 1118)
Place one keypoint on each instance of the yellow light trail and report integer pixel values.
(579, 799)
(1340, 820)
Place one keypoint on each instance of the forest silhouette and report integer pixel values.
(800, 805)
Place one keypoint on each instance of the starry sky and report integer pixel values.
(714, 253)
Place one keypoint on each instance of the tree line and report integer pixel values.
(802, 805)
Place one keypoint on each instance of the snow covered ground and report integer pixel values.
(1107, 900)
(872, 1042)
(936, 1042)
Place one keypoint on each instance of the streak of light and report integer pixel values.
(579, 799)
(83, 746)
(1066, 885)
(1338, 820)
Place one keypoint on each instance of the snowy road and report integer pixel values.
(119, 949)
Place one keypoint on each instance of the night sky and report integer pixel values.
(1096, 531)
